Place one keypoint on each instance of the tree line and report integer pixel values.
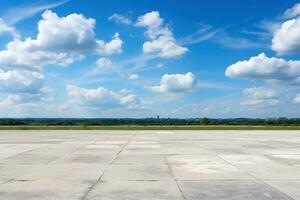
(146, 121)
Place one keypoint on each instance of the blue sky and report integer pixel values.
(145, 58)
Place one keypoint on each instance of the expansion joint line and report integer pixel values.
(102, 174)
(254, 177)
(170, 169)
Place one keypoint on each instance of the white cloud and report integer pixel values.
(112, 47)
(260, 96)
(73, 33)
(292, 12)
(14, 81)
(162, 41)
(175, 83)
(60, 40)
(26, 98)
(160, 65)
(4, 28)
(133, 77)
(101, 97)
(151, 20)
(10, 100)
(286, 39)
(261, 102)
(16, 57)
(20, 99)
(265, 68)
(297, 99)
(260, 93)
(120, 19)
(104, 64)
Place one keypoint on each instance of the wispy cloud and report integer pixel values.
(205, 84)
(232, 42)
(205, 32)
(16, 14)
(221, 36)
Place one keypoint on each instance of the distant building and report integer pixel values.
(157, 117)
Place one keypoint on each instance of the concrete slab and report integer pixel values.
(86, 158)
(233, 190)
(211, 165)
(195, 160)
(291, 188)
(30, 158)
(242, 159)
(12, 171)
(45, 190)
(208, 172)
(140, 159)
(272, 172)
(286, 159)
(65, 172)
(138, 172)
(133, 190)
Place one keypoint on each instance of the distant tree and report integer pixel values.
(204, 121)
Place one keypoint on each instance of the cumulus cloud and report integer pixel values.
(4, 28)
(151, 20)
(73, 33)
(120, 19)
(101, 97)
(259, 96)
(104, 64)
(175, 83)
(287, 38)
(21, 81)
(60, 40)
(265, 68)
(10, 100)
(18, 99)
(297, 99)
(162, 41)
(260, 93)
(16, 57)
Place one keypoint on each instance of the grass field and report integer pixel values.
(150, 127)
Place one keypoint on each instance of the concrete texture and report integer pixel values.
(158, 165)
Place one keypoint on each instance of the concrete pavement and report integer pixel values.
(158, 165)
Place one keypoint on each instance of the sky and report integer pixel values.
(136, 59)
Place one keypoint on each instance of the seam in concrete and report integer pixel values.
(8, 181)
(62, 157)
(102, 174)
(256, 178)
(276, 189)
(171, 171)
(30, 150)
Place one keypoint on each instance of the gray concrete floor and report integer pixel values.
(159, 165)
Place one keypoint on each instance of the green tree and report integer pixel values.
(204, 121)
